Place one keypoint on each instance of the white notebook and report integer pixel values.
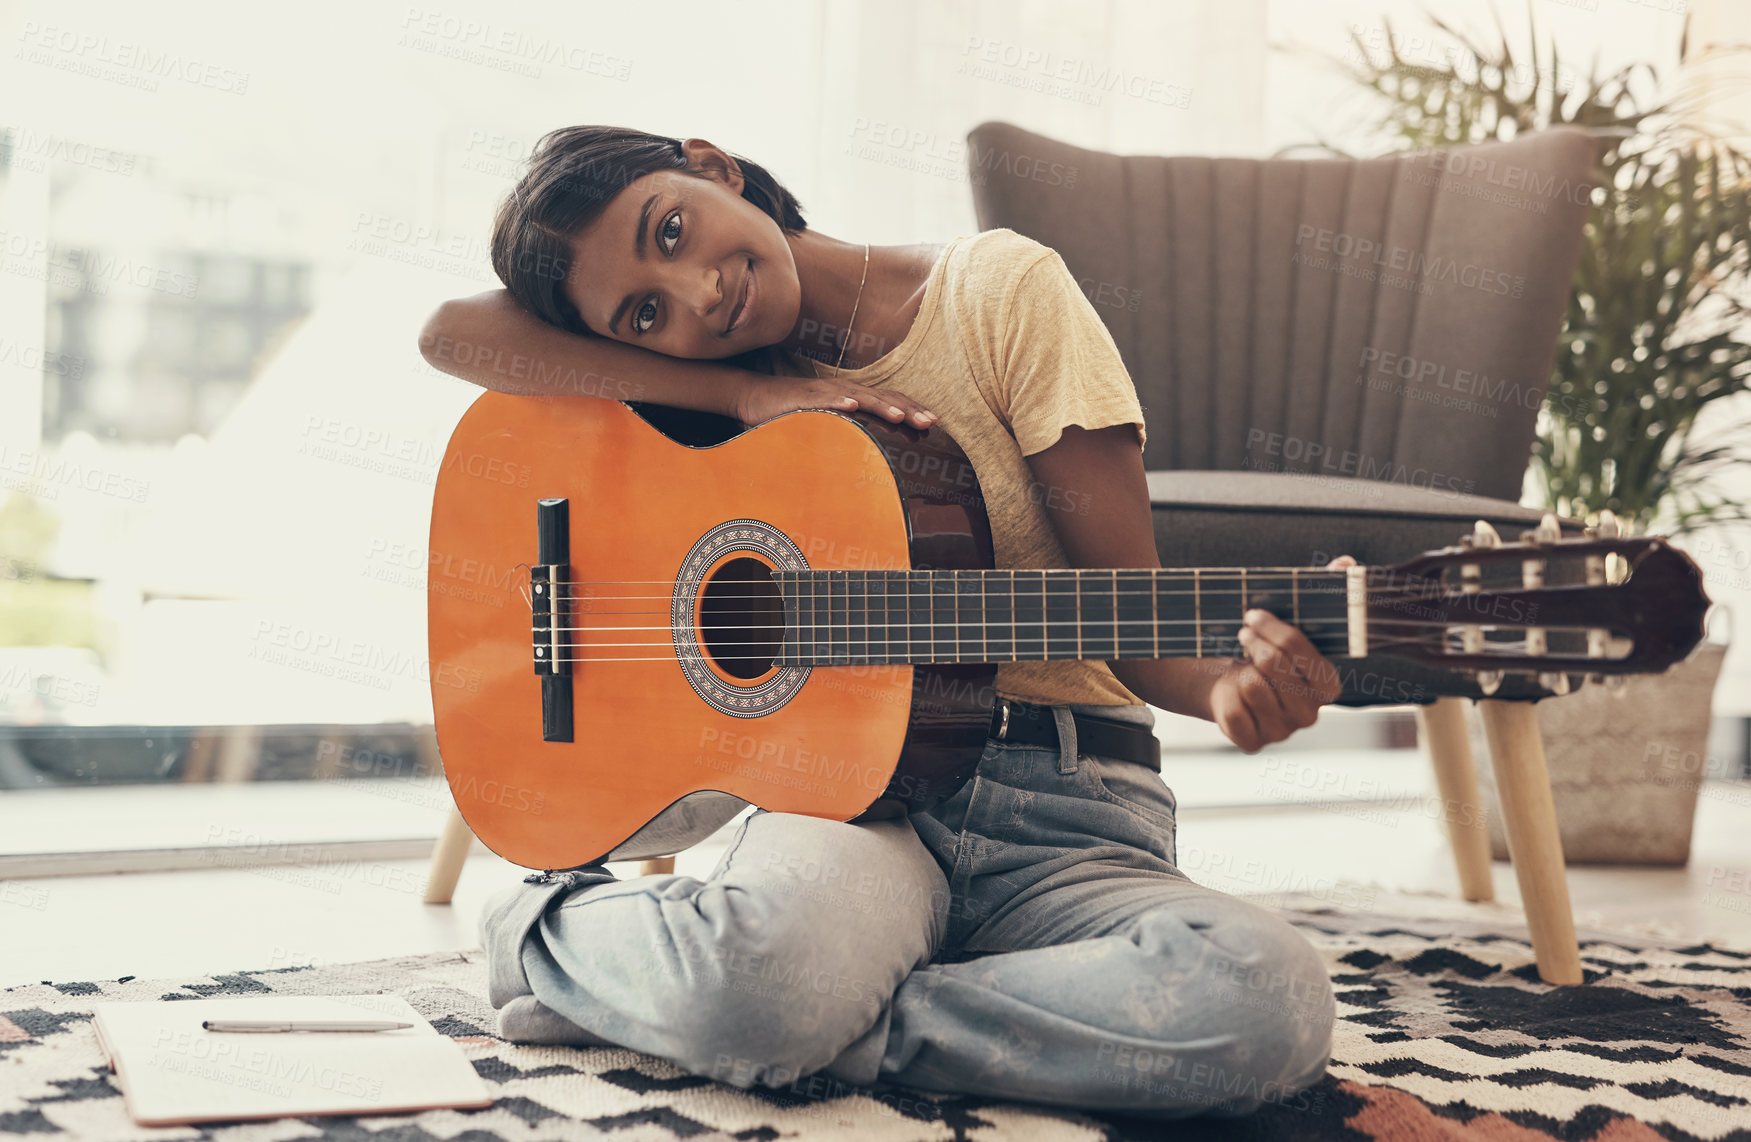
(172, 1071)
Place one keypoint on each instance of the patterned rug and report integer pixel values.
(1444, 1032)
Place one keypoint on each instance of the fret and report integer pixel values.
(856, 617)
(823, 616)
(1062, 638)
(984, 621)
(835, 617)
(1095, 594)
(823, 630)
(872, 606)
(793, 618)
(786, 618)
(1155, 609)
(1118, 643)
(1198, 611)
(876, 633)
(894, 607)
(1326, 611)
(1225, 593)
(812, 590)
(817, 615)
(1075, 585)
(1134, 612)
(894, 610)
(1030, 616)
(1295, 595)
(1000, 611)
(949, 611)
(923, 635)
(839, 611)
(942, 616)
(969, 615)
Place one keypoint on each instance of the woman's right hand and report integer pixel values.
(766, 397)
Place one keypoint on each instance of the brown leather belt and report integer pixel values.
(1030, 724)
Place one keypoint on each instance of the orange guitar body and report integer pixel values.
(653, 524)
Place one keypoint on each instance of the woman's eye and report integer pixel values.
(640, 322)
(668, 230)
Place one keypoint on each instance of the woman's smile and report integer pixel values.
(745, 305)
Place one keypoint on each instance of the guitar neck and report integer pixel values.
(837, 618)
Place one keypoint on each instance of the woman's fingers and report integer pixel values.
(1302, 678)
(1311, 668)
(893, 406)
(768, 399)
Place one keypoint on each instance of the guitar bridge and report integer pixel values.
(548, 586)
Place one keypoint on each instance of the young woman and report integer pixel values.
(1029, 938)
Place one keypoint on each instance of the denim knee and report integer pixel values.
(762, 1005)
(1278, 995)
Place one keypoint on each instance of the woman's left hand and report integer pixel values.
(1280, 686)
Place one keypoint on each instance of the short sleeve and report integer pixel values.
(1056, 363)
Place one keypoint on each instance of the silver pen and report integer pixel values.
(301, 1025)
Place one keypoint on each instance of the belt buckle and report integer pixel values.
(1003, 723)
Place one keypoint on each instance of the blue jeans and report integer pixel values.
(1028, 939)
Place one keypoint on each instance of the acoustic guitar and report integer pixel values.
(806, 615)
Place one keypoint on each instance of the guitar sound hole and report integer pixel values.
(741, 618)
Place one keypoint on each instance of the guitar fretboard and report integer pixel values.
(838, 618)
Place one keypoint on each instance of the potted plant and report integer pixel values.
(1655, 334)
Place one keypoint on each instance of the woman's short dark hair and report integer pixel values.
(574, 172)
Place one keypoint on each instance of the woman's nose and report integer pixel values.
(702, 289)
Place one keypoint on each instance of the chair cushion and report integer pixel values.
(1277, 519)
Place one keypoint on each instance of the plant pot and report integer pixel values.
(1625, 768)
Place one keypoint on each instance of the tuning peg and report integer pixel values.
(1555, 681)
(1607, 527)
(1489, 681)
(1615, 683)
(1548, 530)
(1483, 535)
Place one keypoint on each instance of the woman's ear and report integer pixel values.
(712, 162)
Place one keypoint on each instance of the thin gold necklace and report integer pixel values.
(854, 306)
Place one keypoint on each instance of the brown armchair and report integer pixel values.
(1338, 356)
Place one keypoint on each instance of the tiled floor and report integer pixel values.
(1385, 855)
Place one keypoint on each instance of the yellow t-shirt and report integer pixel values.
(1007, 352)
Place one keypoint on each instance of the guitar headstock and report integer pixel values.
(1602, 604)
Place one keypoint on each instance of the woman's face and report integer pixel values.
(676, 260)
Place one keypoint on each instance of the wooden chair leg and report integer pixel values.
(1442, 726)
(656, 865)
(1529, 820)
(448, 856)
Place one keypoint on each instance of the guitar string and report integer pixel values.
(1130, 582)
(1553, 661)
(1507, 650)
(1503, 650)
(1375, 594)
(1130, 587)
(1055, 627)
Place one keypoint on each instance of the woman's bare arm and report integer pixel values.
(492, 341)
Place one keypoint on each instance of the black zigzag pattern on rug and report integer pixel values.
(1439, 1035)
